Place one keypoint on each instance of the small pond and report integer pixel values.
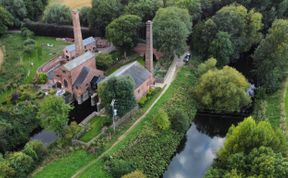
(198, 149)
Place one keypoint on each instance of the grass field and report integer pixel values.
(73, 3)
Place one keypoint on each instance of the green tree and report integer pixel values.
(179, 121)
(244, 26)
(271, 56)
(252, 150)
(53, 113)
(104, 61)
(193, 6)
(6, 171)
(146, 9)
(122, 90)
(21, 163)
(6, 20)
(222, 90)
(35, 149)
(172, 26)
(202, 35)
(162, 120)
(17, 8)
(84, 13)
(123, 32)
(57, 14)
(103, 13)
(35, 8)
(222, 48)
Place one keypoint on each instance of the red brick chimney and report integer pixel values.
(78, 40)
(149, 47)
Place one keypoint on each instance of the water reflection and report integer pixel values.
(203, 140)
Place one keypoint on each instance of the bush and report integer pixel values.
(36, 150)
(28, 46)
(142, 101)
(104, 61)
(180, 121)
(57, 14)
(119, 167)
(41, 78)
(71, 131)
(135, 174)
(162, 120)
(26, 33)
(21, 163)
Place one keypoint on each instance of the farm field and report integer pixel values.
(73, 3)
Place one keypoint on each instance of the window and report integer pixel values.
(139, 91)
(65, 83)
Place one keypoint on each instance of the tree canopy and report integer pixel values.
(53, 114)
(123, 31)
(57, 14)
(222, 90)
(271, 56)
(252, 149)
(122, 90)
(172, 26)
(6, 20)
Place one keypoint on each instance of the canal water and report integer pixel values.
(198, 149)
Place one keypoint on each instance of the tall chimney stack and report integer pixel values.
(149, 47)
(78, 40)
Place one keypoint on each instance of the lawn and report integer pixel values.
(65, 166)
(20, 69)
(73, 3)
(95, 125)
(273, 108)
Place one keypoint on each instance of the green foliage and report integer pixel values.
(103, 13)
(41, 78)
(16, 8)
(84, 13)
(146, 9)
(118, 167)
(244, 26)
(271, 57)
(21, 163)
(35, 8)
(252, 149)
(36, 150)
(28, 46)
(193, 6)
(222, 48)
(122, 32)
(57, 14)
(104, 61)
(222, 90)
(179, 121)
(6, 20)
(204, 67)
(134, 174)
(142, 101)
(122, 90)
(26, 33)
(53, 113)
(172, 26)
(260, 110)
(71, 131)
(162, 121)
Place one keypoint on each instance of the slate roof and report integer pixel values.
(86, 42)
(82, 76)
(138, 72)
(79, 60)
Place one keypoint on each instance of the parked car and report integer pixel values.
(187, 57)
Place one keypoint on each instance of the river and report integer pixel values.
(198, 149)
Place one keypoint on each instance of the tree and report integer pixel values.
(6, 20)
(135, 174)
(172, 26)
(193, 6)
(35, 8)
(84, 13)
(222, 90)
(57, 14)
(252, 149)
(162, 121)
(21, 163)
(104, 61)
(123, 32)
(53, 113)
(35, 149)
(103, 13)
(204, 67)
(179, 121)
(244, 26)
(222, 48)
(16, 8)
(122, 90)
(202, 36)
(146, 9)
(271, 56)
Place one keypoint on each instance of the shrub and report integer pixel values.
(104, 61)
(180, 121)
(162, 120)
(28, 46)
(21, 163)
(142, 101)
(25, 32)
(41, 78)
(71, 131)
(119, 167)
(6, 171)
(135, 174)
(36, 150)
